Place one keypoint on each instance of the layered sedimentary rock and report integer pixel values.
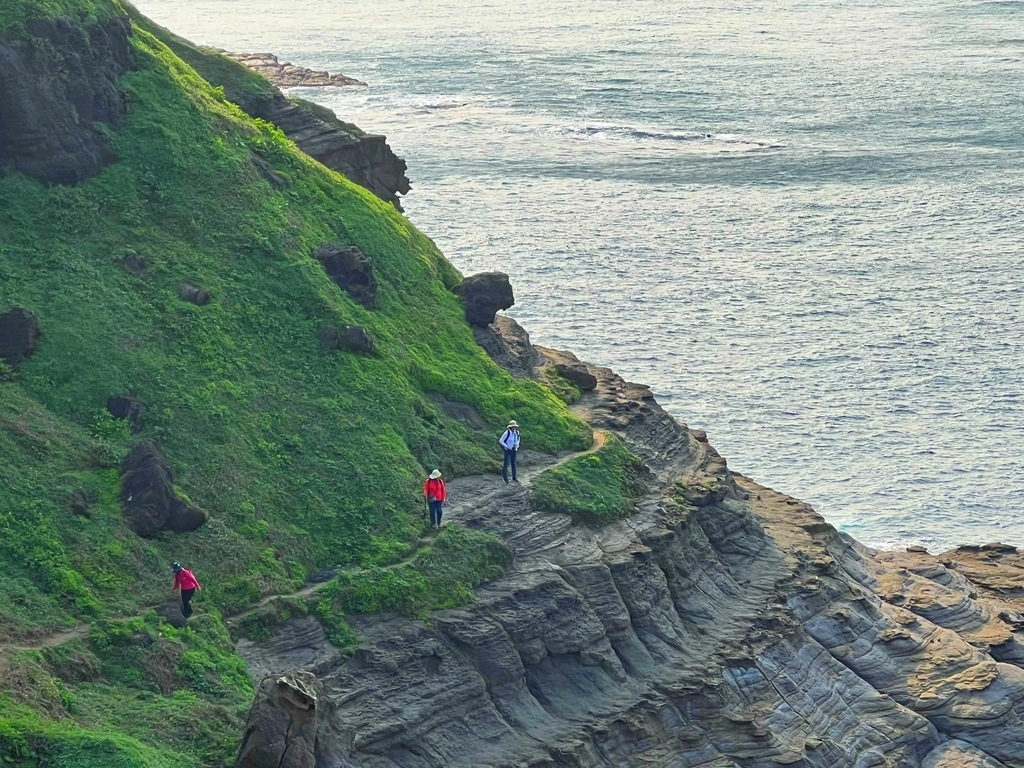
(722, 624)
(288, 75)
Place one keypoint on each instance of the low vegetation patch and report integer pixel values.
(440, 575)
(595, 488)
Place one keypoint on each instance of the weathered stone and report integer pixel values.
(184, 518)
(266, 170)
(80, 502)
(281, 730)
(194, 294)
(135, 264)
(578, 374)
(57, 83)
(171, 613)
(150, 504)
(288, 75)
(483, 295)
(129, 408)
(352, 338)
(351, 271)
(19, 336)
(463, 412)
(508, 344)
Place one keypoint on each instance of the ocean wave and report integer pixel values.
(719, 141)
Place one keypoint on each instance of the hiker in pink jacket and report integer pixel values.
(186, 581)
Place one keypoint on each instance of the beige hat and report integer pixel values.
(512, 424)
(435, 474)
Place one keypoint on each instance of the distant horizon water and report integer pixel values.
(800, 223)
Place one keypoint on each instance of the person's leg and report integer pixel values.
(186, 600)
(514, 465)
(440, 511)
(435, 513)
(504, 466)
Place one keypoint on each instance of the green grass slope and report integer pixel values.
(304, 459)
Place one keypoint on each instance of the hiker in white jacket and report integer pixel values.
(510, 442)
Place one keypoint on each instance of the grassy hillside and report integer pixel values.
(304, 459)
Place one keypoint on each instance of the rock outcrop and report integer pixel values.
(508, 344)
(351, 271)
(723, 624)
(281, 731)
(484, 295)
(127, 407)
(287, 75)
(150, 501)
(19, 336)
(58, 82)
(194, 294)
(352, 338)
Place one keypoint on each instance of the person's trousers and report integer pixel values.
(510, 461)
(186, 602)
(435, 512)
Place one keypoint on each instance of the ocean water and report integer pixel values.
(800, 222)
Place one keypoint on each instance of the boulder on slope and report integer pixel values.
(150, 503)
(19, 336)
(484, 294)
(351, 271)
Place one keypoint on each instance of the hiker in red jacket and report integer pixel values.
(188, 583)
(436, 494)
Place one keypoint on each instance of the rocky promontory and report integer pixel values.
(288, 75)
(722, 624)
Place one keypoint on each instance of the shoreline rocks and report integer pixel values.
(288, 75)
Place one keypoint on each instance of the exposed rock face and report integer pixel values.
(463, 412)
(56, 83)
(508, 344)
(351, 271)
(281, 731)
(353, 338)
(363, 158)
(129, 408)
(80, 503)
(19, 336)
(724, 624)
(194, 294)
(135, 264)
(287, 75)
(147, 492)
(484, 294)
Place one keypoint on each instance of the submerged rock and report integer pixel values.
(484, 294)
(19, 336)
(281, 730)
(58, 82)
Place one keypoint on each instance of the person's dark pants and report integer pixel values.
(510, 461)
(435, 512)
(186, 602)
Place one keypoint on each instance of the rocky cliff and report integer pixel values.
(364, 158)
(722, 624)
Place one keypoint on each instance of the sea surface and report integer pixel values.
(802, 223)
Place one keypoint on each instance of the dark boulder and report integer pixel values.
(147, 493)
(171, 613)
(351, 271)
(484, 294)
(19, 336)
(129, 408)
(80, 502)
(194, 294)
(135, 264)
(353, 338)
(281, 729)
(578, 374)
(58, 83)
